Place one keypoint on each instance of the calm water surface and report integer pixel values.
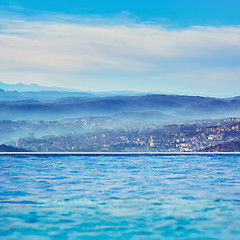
(142, 197)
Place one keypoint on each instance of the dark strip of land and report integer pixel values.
(116, 153)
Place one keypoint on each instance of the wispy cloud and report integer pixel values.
(57, 47)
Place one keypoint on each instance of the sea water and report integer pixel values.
(117, 197)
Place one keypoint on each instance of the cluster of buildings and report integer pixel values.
(11, 131)
(196, 136)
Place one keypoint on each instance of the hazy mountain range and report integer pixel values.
(20, 87)
(55, 105)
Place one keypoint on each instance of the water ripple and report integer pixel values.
(152, 197)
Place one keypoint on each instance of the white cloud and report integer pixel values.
(56, 47)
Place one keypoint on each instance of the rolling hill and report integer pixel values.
(56, 105)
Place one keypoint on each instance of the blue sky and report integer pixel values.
(176, 46)
(177, 12)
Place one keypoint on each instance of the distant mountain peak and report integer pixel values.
(21, 87)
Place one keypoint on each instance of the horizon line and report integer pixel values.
(115, 153)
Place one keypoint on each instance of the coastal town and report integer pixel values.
(85, 135)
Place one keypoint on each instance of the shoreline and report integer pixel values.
(115, 153)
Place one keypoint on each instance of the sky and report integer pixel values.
(177, 46)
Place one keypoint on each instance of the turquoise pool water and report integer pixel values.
(142, 197)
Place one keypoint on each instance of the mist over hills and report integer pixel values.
(55, 105)
(43, 96)
(45, 103)
(64, 119)
(20, 91)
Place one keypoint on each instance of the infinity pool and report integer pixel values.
(117, 197)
